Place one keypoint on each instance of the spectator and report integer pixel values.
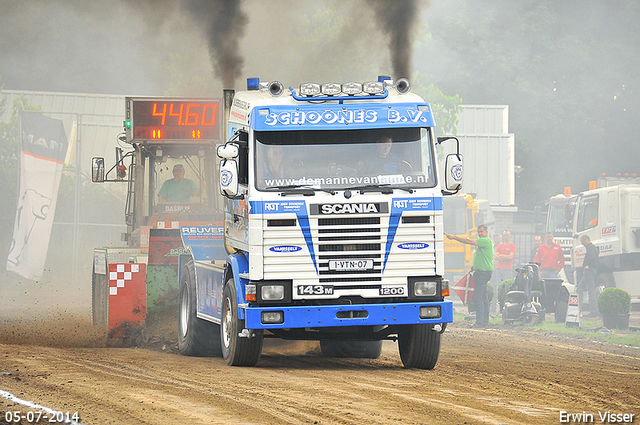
(497, 240)
(504, 255)
(482, 268)
(537, 241)
(589, 272)
(550, 257)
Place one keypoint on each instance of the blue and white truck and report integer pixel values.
(332, 227)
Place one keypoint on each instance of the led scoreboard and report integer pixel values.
(172, 120)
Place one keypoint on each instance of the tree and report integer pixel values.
(567, 70)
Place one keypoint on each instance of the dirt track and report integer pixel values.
(496, 376)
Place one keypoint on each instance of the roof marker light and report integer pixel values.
(352, 88)
(373, 87)
(331, 89)
(253, 83)
(309, 89)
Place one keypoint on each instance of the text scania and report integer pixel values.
(348, 208)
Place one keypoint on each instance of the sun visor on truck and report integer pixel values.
(351, 117)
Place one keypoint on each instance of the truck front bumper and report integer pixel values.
(349, 315)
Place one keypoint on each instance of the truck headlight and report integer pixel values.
(272, 292)
(425, 289)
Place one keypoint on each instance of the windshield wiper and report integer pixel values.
(406, 189)
(384, 188)
(303, 189)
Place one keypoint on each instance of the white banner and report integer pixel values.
(43, 149)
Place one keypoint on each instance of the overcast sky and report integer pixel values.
(568, 70)
(128, 47)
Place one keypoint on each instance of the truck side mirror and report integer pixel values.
(229, 178)
(453, 173)
(97, 170)
(228, 151)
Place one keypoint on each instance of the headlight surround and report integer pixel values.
(272, 291)
(425, 288)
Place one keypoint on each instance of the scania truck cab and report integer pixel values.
(332, 230)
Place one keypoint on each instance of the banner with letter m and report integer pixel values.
(43, 145)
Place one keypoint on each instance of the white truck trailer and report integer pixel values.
(610, 216)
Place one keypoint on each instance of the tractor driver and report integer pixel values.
(179, 188)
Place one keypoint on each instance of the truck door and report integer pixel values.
(630, 215)
(586, 222)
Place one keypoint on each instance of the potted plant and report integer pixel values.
(614, 305)
(502, 291)
(472, 304)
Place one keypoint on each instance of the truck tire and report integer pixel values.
(196, 337)
(236, 350)
(419, 346)
(562, 306)
(351, 349)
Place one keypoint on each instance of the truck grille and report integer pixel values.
(334, 241)
(357, 238)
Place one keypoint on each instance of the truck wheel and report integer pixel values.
(419, 346)
(562, 306)
(196, 337)
(236, 350)
(351, 349)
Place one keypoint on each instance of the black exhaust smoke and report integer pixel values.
(224, 24)
(397, 19)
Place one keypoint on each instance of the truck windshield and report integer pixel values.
(344, 159)
(587, 215)
(560, 216)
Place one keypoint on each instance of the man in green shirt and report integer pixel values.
(482, 268)
(178, 189)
